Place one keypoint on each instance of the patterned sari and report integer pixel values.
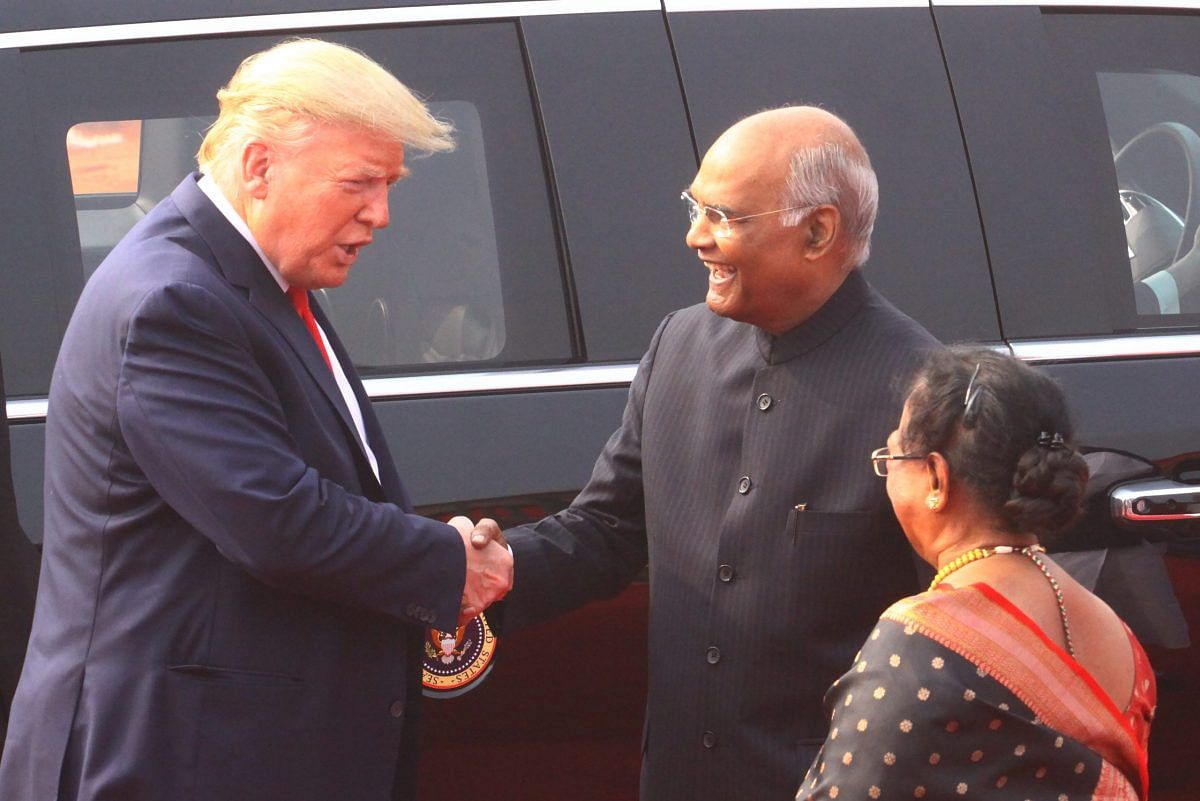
(957, 694)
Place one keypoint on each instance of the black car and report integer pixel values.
(1039, 170)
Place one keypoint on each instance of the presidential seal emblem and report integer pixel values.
(456, 661)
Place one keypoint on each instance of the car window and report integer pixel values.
(470, 272)
(430, 284)
(881, 69)
(104, 158)
(120, 169)
(426, 291)
(1146, 74)
(1157, 157)
(1077, 127)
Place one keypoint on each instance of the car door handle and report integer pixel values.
(1155, 501)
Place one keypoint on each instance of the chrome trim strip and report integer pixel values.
(618, 375)
(1083, 350)
(615, 375)
(1146, 5)
(455, 384)
(677, 6)
(30, 409)
(315, 20)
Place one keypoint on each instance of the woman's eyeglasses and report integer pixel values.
(881, 456)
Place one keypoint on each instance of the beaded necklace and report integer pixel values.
(1031, 551)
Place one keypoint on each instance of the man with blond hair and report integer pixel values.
(234, 588)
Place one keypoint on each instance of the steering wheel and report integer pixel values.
(1184, 265)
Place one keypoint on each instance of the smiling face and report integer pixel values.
(754, 274)
(765, 273)
(313, 207)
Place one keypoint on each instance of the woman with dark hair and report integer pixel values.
(1007, 679)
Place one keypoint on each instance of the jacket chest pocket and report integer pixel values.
(807, 528)
(827, 551)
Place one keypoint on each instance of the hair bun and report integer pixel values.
(1047, 488)
(1005, 429)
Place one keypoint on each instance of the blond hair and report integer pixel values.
(278, 95)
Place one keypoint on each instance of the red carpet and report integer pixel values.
(1175, 738)
(560, 717)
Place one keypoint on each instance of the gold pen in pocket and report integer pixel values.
(798, 508)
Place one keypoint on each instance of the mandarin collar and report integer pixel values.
(851, 296)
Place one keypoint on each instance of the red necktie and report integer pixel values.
(299, 298)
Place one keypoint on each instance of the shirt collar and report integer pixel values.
(851, 296)
(209, 187)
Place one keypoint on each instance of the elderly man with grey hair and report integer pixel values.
(234, 589)
(740, 472)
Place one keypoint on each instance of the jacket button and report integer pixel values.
(397, 709)
(744, 485)
(709, 739)
(713, 655)
(764, 402)
(725, 573)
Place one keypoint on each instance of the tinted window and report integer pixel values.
(104, 157)
(470, 270)
(1147, 73)
(1154, 192)
(1079, 245)
(618, 133)
(426, 291)
(120, 170)
(881, 69)
(429, 288)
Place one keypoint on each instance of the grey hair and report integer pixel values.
(826, 174)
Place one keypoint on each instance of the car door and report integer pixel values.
(879, 66)
(1081, 125)
(497, 321)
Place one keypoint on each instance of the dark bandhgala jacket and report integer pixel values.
(231, 605)
(741, 472)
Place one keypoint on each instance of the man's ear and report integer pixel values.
(257, 161)
(820, 230)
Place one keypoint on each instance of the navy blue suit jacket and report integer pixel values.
(231, 605)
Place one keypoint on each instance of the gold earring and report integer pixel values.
(934, 501)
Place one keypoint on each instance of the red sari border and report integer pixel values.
(1019, 655)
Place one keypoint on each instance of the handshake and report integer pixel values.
(489, 565)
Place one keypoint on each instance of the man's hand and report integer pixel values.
(487, 530)
(489, 570)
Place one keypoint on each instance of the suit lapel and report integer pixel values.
(243, 268)
(389, 480)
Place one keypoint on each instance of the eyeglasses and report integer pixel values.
(880, 458)
(722, 224)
